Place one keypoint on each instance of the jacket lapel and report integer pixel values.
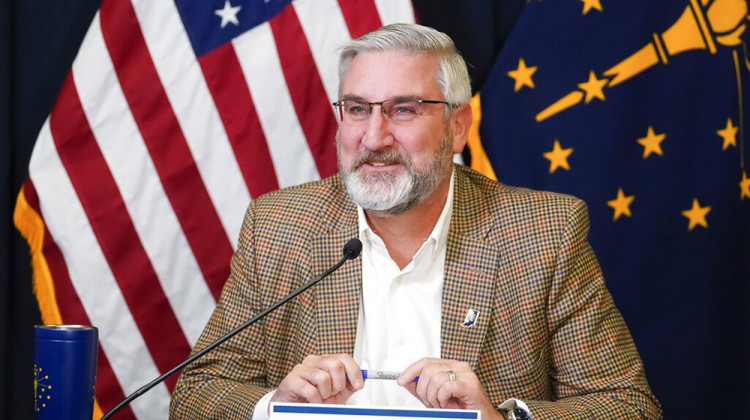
(470, 269)
(336, 298)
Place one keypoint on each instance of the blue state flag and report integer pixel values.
(638, 107)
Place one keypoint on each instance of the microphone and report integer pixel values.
(351, 251)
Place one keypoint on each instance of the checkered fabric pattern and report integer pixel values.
(547, 331)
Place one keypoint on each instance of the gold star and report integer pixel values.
(593, 87)
(652, 143)
(697, 215)
(558, 157)
(522, 75)
(729, 134)
(591, 4)
(621, 204)
(744, 186)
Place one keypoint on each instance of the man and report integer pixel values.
(489, 295)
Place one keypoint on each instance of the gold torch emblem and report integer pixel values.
(700, 27)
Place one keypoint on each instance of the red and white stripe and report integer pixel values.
(144, 169)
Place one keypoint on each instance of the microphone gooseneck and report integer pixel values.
(351, 251)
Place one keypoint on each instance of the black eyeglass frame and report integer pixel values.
(339, 105)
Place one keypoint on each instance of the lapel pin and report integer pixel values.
(471, 318)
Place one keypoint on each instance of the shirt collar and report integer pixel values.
(439, 235)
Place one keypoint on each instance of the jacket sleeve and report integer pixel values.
(595, 369)
(228, 381)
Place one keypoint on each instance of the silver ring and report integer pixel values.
(451, 376)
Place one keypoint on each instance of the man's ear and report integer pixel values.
(460, 123)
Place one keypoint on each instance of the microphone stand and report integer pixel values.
(351, 251)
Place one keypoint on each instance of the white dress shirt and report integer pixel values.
(400, 310)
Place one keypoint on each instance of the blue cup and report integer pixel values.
(64, 371)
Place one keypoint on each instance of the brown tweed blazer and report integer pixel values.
(547, 332)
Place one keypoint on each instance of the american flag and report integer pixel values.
(174, 115)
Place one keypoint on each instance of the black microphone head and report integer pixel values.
(352, 248)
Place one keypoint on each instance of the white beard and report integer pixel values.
(385, 194)
(380, 192)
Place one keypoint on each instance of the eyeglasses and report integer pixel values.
(398, 110)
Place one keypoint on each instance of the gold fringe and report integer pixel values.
(31, 226)
(98, 413)
(479, 160)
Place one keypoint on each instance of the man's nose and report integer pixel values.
(377, 130)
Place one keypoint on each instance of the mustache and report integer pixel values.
(388, 157)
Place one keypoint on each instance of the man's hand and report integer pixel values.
(447, 384)
(321, 379)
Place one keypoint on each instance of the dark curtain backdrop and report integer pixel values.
(38, 42)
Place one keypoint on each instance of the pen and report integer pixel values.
(383, 374)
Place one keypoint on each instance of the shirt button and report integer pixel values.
(401, 401)
(400, 341)
(398, 280)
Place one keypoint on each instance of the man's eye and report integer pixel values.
(409, 108)
(356, 109)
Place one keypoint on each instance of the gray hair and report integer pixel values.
(452, 74)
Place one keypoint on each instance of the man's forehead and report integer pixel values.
(395, 57)
(395, 74)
